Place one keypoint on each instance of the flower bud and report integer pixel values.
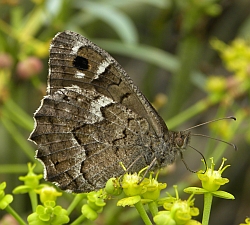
(29, 67)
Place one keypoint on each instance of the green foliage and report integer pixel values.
(5, 200)
(48, 214)
(137, 192)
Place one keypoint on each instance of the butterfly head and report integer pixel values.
(179, 140)
(175, 143)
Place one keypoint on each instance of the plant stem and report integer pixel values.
(12, 212)
(33, 199)
(153, 208)
(79, 220)
(193, 110)
(142, 213)
(15, 113)
(181, 85)
(208, 198)
(18, 138)
(78, 198)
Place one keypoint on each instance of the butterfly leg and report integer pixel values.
(148, 169)
(129, 167)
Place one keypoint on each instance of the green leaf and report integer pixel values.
(129, 201)
(195, 190)
(119, 21)
(146, 53)
(131, 3)
(223, 194)
(2, 185)
(21, 189)
(5, 201)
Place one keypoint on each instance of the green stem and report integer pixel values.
(181, 85)
(15, 113)
(13, 168)
(78, 198)
(18, 138)
(79, 220)
(12, 212)
(153, 208)
(142, 213)
(208, 198)
(33, 199)
(193, 110)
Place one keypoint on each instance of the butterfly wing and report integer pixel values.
(92, 118)
(75, 60)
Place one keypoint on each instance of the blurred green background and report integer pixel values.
(191, 59)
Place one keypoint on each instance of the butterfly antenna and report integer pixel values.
(231, 144)
(211, 121)
(194, 171)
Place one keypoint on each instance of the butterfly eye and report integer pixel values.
(179, 141)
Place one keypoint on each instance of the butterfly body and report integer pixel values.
(94, 117)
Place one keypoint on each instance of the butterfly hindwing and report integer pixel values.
(92, 118)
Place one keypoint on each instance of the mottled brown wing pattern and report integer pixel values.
(92, 118)
(81, 143)
(74, 60)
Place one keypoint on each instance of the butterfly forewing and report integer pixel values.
(74, 60)
(92, 118)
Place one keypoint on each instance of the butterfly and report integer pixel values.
(94, 117)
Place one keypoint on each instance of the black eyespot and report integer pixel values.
(81, 63)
